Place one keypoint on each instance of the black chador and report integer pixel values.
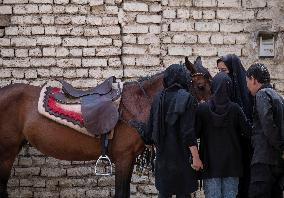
(171, 129)
(220, 123)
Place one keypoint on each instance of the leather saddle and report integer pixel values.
(99, 112)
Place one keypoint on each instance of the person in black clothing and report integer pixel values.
(171, 129)
(267, 136)
(220, 123)
(232, 65)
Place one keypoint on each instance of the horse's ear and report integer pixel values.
(189, 66)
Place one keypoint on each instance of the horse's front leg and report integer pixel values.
(123, 173)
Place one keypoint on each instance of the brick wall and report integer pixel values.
(86, 41)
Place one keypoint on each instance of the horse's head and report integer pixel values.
(201, 79)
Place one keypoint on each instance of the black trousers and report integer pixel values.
(164, 195)
(266, 181)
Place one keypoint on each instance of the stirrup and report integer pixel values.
(103, 158)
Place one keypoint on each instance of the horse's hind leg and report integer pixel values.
(7, 159)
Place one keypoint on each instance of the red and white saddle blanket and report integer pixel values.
(67, 114)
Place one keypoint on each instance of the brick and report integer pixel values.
(41, 73)
(229, 50)
(56, 72)
(135, 29)
(129, 38)
(229, 39)
(266, 14)
(181, 26)
(7, 52)
(231, 27)
(41, 1)
(21, 52)
(36, 30)
(45, 9)
(91, 31)
(155, 29)
(196, 14)
(30, 74)
(6, 9)
(43, 62)
(110, 20)
(27, 171)
(111, 30)
(48, 41)
(13, 31)
(62, 20)
(183, 13)
(114, 62)
(46, 194)
(94, 20)
(82, 73)
(19, 9)
(78, 20)
(180, 3)
(110, 51)
(58, 9)
(204, 51)
(229, 3)
(64, 30)
(18, 74)
(76, 52)
(99, 41)
(61, 2)
(23, 42)
(94, 63)
(65, 63)
(95, 73)
(5, 73)
(217, 39)
(31, 9)
(148, 39)
(72, 9)
(14, 1)
(184, 38)
(169, 14)
(148, 61)
(242, 39)
(35, 52)
(80, 2)
(240, 15)
(89, 51)
(148, 19)
(255, 3)
(207, 26)
(179, 51)
(134, 7)
(155, 8)
(74, 42)
(77, 31)
(50, 30)
(96, 2)
(208, 14)
(205, 3)
(53, 172)
(34, 20)
(47, 19)
(204, 38)
(133, 50)
(50, 51)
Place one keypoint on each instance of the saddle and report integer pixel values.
(99, 112)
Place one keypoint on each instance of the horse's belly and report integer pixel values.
(60, 141)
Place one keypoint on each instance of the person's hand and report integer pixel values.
(196, 164)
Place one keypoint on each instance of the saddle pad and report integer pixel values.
(66, 114)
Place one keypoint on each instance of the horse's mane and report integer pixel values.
(143, 79)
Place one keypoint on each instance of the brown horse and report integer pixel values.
(21, 122)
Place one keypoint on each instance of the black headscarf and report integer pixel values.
(222, 92)
(237, 73)
(176, 78)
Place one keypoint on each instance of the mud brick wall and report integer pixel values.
(85, 41)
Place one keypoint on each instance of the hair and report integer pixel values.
(260, 72)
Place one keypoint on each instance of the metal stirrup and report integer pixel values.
(104, 158)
